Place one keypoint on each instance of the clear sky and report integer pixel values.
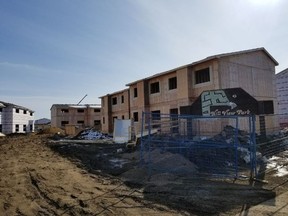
(56, 51)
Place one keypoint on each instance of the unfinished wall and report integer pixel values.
(254, 72)
(114, 106)
(70, 114)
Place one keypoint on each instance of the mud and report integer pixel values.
(43, 178)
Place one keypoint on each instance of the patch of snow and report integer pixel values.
(271, 165)
(281, 171)
(117, 162)
(276, 163)
(245, 154)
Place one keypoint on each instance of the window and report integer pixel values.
(135, 92)
(114, 100)
(25, 111)
(0, 109)
(174, 111)
(123, 117)
(156, 115)
(173, 83)
(135, 116)
(17, 111)
(154, 88)
(31, 128)
(31, 114)
(103, 120)
(97, 110)
(97, 122)
(202, 76)
(174, 127)
(80, 110)
(63, 123)
(24, 128)
(156, 118)
(17, 127)
(80, 122)
(0, 127)
(64, 110)
(122, 99)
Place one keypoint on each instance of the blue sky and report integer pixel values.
(56, 51)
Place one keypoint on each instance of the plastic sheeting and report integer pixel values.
(122, 131)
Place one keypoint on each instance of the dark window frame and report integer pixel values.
(63, 123)
(156, 115)
(135, 92)
(97, 122)
(172, 83)
(114, 100)
(202, 76)
(64, 110)
(17, 128)
(154, 87)
(135, 116)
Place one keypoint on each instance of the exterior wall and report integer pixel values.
(282, 96)
(105, 113)
(80, 115)
(197, 89)
(20, 121)
(253, 71)
(114, 106)
(166, 100)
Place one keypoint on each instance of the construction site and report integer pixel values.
(202, 139)
(176, 168)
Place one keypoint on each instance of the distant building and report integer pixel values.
(42, 124)
(282, 96)
(15, 118)
(88, 115)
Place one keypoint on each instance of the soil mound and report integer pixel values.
(53, 130)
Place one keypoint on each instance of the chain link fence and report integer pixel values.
(222, 146)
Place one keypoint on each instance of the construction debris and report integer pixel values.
(91, 134)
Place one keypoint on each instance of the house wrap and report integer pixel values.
(15, 118)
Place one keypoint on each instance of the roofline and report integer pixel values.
(15, 106)
(117, 92)
(209, 58)
(282, 72)
(69, 105)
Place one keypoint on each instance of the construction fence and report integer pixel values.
(220, 146)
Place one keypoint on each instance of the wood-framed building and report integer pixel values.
(252, 70)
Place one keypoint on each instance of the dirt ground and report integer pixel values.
(43, 178)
